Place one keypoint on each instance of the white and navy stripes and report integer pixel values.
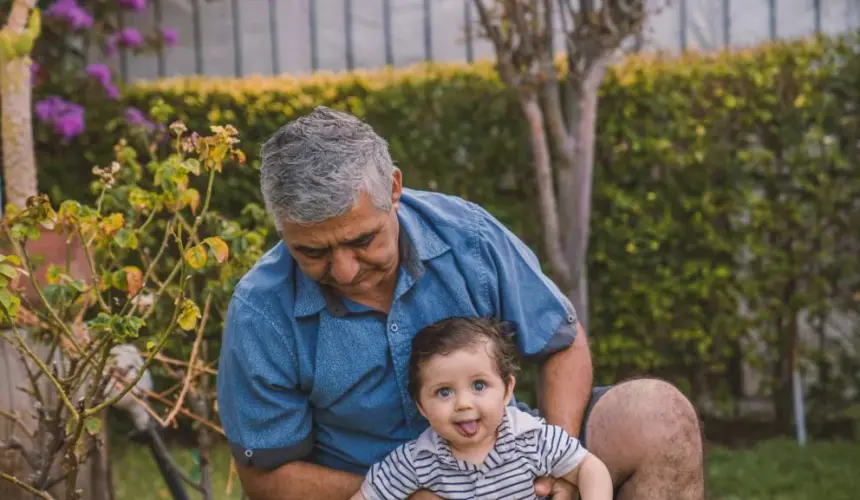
(525, 449)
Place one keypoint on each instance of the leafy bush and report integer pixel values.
(724, 192)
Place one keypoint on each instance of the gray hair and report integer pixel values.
(316, 167)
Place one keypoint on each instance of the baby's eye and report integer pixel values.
(444, 392)
(479, 385)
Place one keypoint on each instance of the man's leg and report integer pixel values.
(648, 435)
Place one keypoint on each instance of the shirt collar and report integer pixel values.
(417, 242)
(515, 423)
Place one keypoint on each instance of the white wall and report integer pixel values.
(749, 25)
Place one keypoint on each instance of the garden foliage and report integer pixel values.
(725, 198)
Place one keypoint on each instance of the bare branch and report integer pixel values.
(26, 487)
(189, 375)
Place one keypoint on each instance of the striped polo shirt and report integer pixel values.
(526, 448)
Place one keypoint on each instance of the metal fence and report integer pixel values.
(302, 36)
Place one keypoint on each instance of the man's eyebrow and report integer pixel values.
(357, 239)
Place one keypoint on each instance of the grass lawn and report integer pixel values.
(773, 470)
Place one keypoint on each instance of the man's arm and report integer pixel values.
(564, 384)
(298, 480)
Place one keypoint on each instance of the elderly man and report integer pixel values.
(312, 387)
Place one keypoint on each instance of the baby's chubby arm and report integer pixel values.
(564, 457)
(592, 478)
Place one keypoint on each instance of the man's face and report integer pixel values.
(355, 253)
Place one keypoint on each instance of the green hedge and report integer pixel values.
(718, 178)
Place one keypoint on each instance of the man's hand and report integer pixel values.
(557, 489)
(424, 495)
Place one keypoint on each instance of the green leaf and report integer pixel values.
(150, 345)
(192, 165)
(10, 303)
(196, 256)
(126, 238)
(93, 425)
(8, 271)
(190, 198)
(189, 315)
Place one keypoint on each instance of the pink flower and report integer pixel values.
(170, 36)
(70, 12)
(131, 38)
(135, 5)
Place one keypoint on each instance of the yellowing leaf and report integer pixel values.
(190, 198)
(196, 256)
(189, 315)
(93, 425)
(134, 279)
(219, 248)
(113, 223)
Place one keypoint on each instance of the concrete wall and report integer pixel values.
(750, 23)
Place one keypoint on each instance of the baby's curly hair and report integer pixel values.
(451, 334)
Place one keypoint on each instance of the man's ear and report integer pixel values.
(509, 390)
(396, 189)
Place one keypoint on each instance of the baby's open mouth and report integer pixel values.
(467, 428)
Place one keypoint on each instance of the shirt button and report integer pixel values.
(394, 327)
(570, 318)
(249, 453)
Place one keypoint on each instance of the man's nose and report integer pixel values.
(344, 267)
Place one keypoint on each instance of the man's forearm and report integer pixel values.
(298, 480)
(564, 385)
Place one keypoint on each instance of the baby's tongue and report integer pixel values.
(468, 428)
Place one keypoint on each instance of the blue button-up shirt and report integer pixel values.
(307, 375)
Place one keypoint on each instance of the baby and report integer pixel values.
(477, 446)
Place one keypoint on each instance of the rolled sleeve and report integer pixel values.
(560, 453)
(265, 416)
(520, 293)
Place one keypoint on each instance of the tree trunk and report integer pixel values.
(19, 162)
(545, 185)
(575, 180)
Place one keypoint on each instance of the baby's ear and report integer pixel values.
(509, 390)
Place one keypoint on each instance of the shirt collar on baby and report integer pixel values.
(515, 423)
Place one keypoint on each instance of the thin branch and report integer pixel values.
(17, 421)
(47, 371)
(189, 375)
(26, 487)
(171, 361)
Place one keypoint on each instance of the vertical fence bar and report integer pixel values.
(159, 18)
(312, 23)
(772, 17)
(386, 28)
(467, 24)
(683, 24)
(123, 53)
(273, 37)
(347, 19)
(198, 36)
(237, 38)
(816, 11)
(428, 32)
(727, 23)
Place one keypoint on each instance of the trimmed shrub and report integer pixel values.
(726, 189)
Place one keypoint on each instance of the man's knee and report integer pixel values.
(667, 414)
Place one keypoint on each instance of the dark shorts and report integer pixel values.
(596, 394)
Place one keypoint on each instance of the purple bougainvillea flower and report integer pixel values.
(170, 36)
(70, 125)
(70, 12)
(135, 117)
(66, 118)
(102, 74)
(135, 5)
(130, 37)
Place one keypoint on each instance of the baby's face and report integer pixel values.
(463, 397)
